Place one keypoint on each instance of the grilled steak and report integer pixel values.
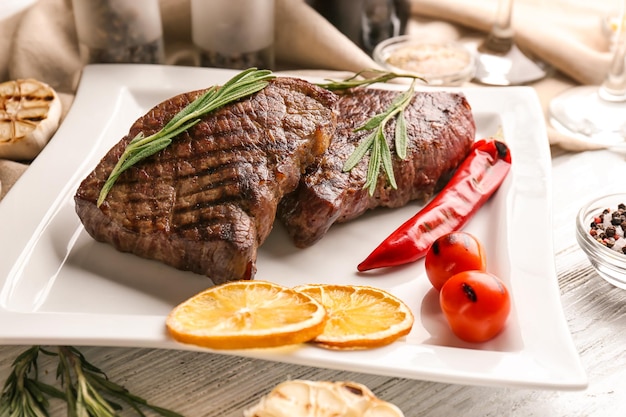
(440, 128)
(206, 202)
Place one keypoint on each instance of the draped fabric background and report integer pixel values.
(565, 33)
(40, 42)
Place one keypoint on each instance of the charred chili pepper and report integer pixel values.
(474, 181)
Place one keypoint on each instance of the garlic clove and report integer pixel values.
(302, 398)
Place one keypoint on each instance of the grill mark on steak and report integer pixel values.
(441, 129)
(206, 202)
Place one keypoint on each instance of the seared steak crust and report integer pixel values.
(441, 130)
(206, 202)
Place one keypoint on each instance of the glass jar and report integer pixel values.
(119, 31)
(235, 34)
(439, 63)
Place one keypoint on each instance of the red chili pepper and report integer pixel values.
(474, 181)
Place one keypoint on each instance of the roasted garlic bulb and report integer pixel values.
(30, 112)
(302, 398)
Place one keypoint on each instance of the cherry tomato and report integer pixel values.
(476, 305)
(453, 253)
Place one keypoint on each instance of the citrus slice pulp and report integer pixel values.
(246, 314)
(359, 317)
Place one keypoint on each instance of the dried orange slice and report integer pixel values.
(359, 317)
(246, 314)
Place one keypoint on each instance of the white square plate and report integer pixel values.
(59, 286)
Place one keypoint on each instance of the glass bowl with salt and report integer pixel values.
(439, 63)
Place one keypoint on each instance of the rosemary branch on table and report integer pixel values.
(140, 147)
(87, 390)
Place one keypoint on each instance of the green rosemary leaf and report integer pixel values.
(398, 101)
(34, 390)
(374, 121)
(386, 162)
(192, 107)
(145, 151)
(373, 167)
(135, 141)
(401, 135)
(20, 397)
(106, 188)
(376, 143)
(241, 85)
(359, 152)
(48, 389)
(177, 131)
(85, 388)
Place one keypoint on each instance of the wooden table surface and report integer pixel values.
(204, 384)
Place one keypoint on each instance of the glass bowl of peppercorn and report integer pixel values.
(600, 228)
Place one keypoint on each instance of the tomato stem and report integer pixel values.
(469, 291)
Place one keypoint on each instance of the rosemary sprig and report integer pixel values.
(22, 394)
(242, 85)
(376, 142)
(360, 80)
(85, 388)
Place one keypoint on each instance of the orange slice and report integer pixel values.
(359, 317)
(246, 314)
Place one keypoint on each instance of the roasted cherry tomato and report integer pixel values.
(453, 253)
(476, 305)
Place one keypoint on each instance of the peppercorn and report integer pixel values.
(609, 235)
(610, 231)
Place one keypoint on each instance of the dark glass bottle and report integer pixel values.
(366, 22)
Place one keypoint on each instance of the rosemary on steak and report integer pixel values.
(364, 78)
(140, 147)
(86, 389)
(376, 143)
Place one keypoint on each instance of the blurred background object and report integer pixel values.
(12, 7)
(439, 63)
(597, 113)
(119, 31)
(234, 34)
(499, 60)
(366, 22)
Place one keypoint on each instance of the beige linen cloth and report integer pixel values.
(40, 42)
